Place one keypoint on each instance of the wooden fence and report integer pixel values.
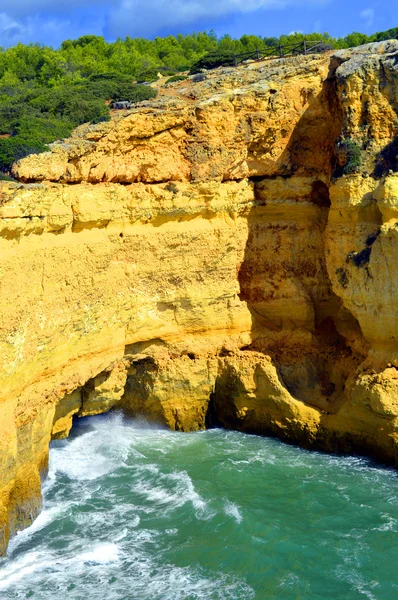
(282, 51)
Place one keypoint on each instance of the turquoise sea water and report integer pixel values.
(138, 513)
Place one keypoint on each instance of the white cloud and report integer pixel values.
(29, 8)
(368, 16)
(28, 20)
(8, 27)
(23, 8)
(34, 29)
(143, 17)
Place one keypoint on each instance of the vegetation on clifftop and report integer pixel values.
(45, 93)
(33, 114)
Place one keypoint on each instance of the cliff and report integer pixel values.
(225, 254)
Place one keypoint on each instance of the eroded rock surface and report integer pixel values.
(225, 254)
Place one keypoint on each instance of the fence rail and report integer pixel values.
(282, 51)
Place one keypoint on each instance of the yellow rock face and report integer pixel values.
(361, 255)
(208, 258)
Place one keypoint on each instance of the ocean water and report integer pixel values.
(132, 512)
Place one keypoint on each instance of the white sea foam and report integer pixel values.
(100, 553)
(127, 521)
(174, 583)
(45, 517)
(357, 583)
(171, 491)
(391, 524)
(289, 581)
(232, 510)
(83, 458)
(97, 452)
(19, 569)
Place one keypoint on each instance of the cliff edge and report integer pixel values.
(224, 255)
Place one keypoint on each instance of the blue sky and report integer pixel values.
(50, 22)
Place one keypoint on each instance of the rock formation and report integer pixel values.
(225, 254)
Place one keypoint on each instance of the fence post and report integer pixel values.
(305, 46)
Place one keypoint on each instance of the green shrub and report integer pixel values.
(176, 78)
(11, 113)
(138, 93)
(67, 103)
(35, 116)
(31, 134)
(147, 75)
(116, 89)
(15, 148)
(110, 76)
(166, 72)
(353, 160)
(212, 60)
(349, 158)
(133, 92)
(52, 114)
(391, 34)
(114, 86)
(43, 128)
(102, 119)
(182, 68)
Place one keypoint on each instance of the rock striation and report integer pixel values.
(224, 255)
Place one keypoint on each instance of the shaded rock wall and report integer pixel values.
(208, 258)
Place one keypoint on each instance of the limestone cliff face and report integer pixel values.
(223, 255)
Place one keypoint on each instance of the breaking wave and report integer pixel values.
(133, 512)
